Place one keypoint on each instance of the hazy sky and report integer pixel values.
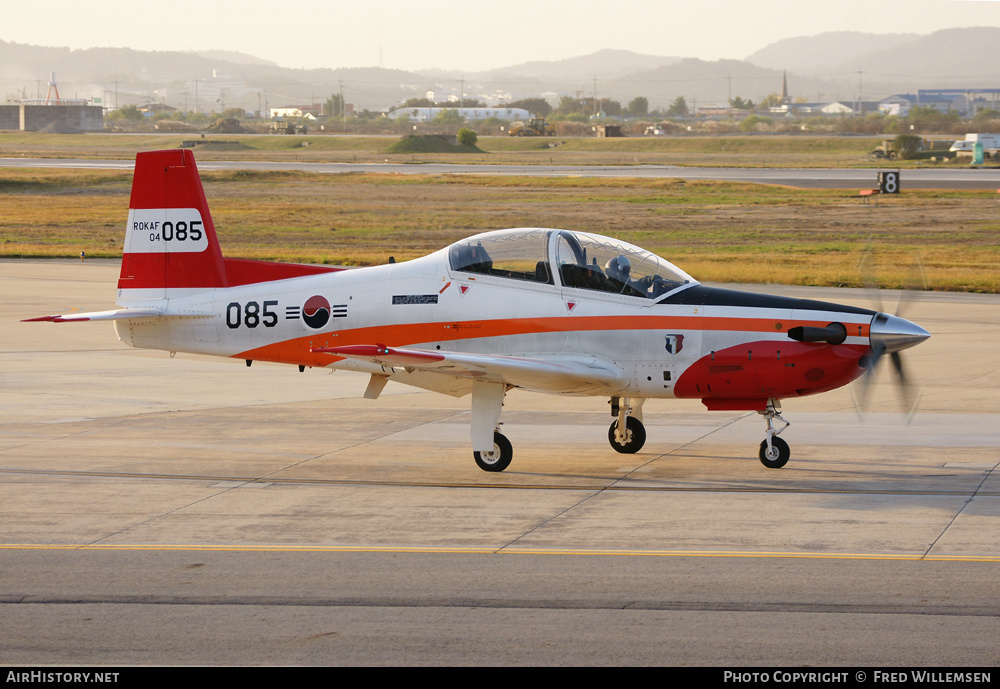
(467, 35)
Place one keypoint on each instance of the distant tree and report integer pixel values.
(490, 126)
(907, 145)
(129, 113)
(985, 115)
(588, 106)
(467, 137)
(539, 107)
(334, 106)
(678, 107)
(740, 104)
(568, 105)
(612, 108)
(928, 119)
(449, 116)
(235, 113)
(754, 122)
(638, 106)
(418, 103)
(773, 100)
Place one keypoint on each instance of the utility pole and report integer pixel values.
(860, 99)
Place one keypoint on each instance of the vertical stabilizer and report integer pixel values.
(170, 241)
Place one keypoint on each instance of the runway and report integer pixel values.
(188, 510)
(806, 178)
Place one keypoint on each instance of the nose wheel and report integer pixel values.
(632, 440)
(774, 452)
(775, 456)
(627, 434)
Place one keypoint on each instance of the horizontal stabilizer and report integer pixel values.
(117, 315)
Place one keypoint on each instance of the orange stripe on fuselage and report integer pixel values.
(296, 351)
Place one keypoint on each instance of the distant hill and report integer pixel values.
(604, 64)
(891, 63)
(823, 54)
(950, 57)
(223, 77)
(234, 57)
(826, 67)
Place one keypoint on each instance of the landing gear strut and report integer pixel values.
(491, 449)
(774, 452)
(627, 434)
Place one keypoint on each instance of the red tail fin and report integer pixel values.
(170, 240)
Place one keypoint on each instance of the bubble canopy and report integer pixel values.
(569, 259)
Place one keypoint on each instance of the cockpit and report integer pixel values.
(568, 259)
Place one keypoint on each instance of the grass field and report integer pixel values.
(719, 151)
(716, 231)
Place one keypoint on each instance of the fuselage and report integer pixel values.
(731, 349)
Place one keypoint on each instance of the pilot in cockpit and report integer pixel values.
(618, 268)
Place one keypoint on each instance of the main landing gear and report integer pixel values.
(774, 451)
(499, 457)
(491, 449)
(627, 434)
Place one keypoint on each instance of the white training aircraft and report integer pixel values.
(553, 311)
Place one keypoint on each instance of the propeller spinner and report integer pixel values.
(890, 335)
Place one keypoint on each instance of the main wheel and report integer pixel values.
(777, 456)
(635, 436)
(499, 458)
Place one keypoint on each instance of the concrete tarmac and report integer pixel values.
(188, 510)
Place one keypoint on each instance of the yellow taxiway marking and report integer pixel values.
(504, 551)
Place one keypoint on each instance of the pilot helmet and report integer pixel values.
(618, 268)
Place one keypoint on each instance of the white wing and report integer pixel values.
(553, 373)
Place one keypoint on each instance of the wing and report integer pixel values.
(117, 315)
(553, 373)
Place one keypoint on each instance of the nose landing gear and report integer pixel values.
(774, 452)
(627, 434)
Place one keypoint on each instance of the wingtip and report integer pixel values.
(54, 319)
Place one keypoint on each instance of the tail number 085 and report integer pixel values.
(251, 315)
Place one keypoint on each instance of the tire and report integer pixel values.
(499, 459)
(778, 457)
(635, 436)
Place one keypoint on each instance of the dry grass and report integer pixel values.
(716, 231)
(720, 151)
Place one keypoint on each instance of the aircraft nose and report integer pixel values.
(894, 334)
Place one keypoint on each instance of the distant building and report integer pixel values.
(901, 103)
(309, 112)
(67, 115)
(838, 108)
(156, 109)
(975, 99)
(850, 107)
